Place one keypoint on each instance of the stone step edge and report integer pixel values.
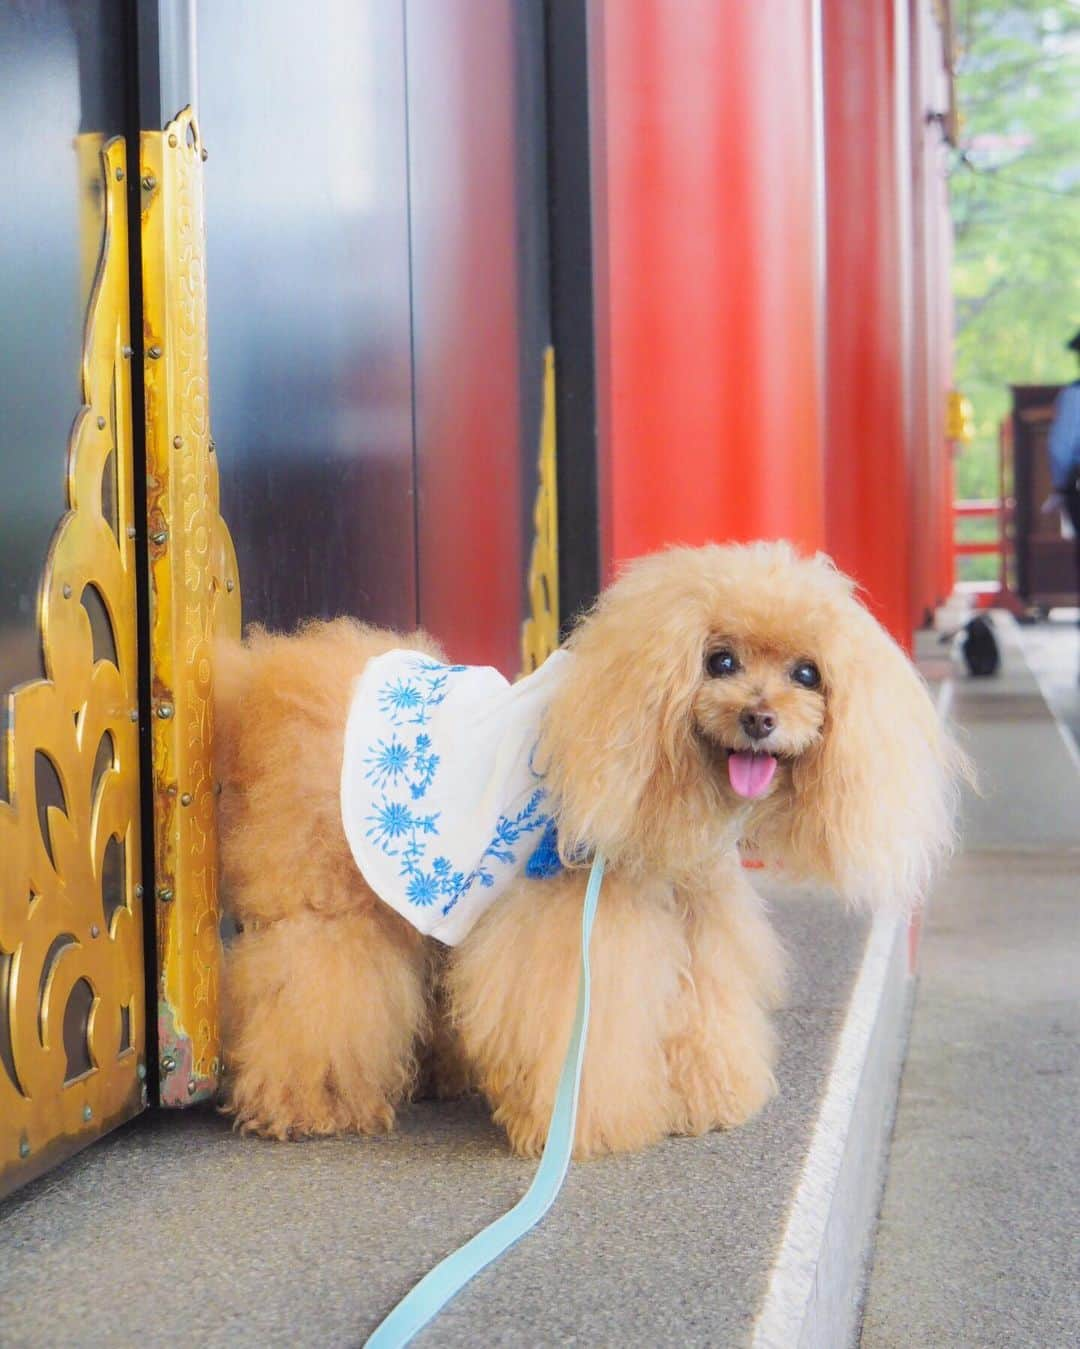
(818, 1277)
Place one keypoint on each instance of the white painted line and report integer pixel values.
(810, 1297)
(793, 1284)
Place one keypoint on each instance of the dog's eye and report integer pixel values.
(807, 674)
(722, 662)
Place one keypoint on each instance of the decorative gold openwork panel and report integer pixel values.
(540, 631)
(193, 595)
(72, 994)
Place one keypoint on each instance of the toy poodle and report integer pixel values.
(714, 698)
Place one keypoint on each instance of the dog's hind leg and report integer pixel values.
(323, 1015)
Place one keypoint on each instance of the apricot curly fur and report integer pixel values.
(333, 1001)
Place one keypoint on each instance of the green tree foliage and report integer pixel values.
(1015, 188)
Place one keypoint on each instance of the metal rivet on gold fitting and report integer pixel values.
(185, 799)
(140, 1071)
(131, 531)
(24, 1147)
(159, 536)
(101, 423)
(168, 1063)
(67, 592)
(126, 352)
(164, 894)
(87, 1113)
(154, 352)
(205, 154)
(191, 1087)
(172, 141)
(138, 892)
(165, 711)
(230, 585)
(95, 931)
(213, 445)
(149, 182)
(178, 442)
(119, 175)
(133, 715)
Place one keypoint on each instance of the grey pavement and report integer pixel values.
(977, 1243)
(176, 1231)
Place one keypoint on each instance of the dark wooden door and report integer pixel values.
(1044, 556)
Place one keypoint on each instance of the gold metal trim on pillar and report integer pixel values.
(194, 595)
(72, 1032)
(540, 631)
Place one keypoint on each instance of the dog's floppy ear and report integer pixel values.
(617, 747)
(873, 805)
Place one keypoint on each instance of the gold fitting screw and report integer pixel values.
(95, 931)
(230, 585)
(154, 352)
(101, 423)
(192, 1087)
(205, 154)
(87, 1113)
(185, 800)
(133, 715)
(67, 591)
(172, 141)
(119, 175)
(24, 1147)
(139, 892)
(164, 894)
(168, 1063)
(126, 352)
(149, 182)
(165, 711)
(159, 536)
(178, 442)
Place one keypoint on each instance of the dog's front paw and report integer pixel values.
(718, 1088)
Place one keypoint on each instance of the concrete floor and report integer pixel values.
(977, 1241)
(176, 1231)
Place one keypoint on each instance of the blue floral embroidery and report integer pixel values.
(387, 760)
(392, 765)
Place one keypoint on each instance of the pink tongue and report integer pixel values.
(750, 773)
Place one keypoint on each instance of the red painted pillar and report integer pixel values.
(709, 288)
(868, 482)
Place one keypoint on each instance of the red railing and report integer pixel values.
(987, 592)
(969, 510)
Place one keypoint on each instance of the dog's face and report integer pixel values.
(746, 690)
(758, 710)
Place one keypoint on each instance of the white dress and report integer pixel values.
(442, 802)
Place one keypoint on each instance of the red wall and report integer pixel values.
(706, 238)
(869, 489)
(754, 383)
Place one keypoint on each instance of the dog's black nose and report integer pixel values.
(758, 723)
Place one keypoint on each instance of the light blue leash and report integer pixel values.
(449, 1276)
